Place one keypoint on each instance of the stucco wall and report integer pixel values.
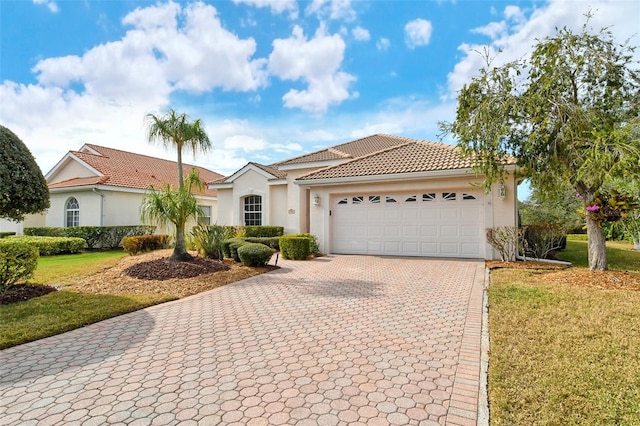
(72, 169)
(250, 183)
(497, 212)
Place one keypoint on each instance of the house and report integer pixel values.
(382, 195)
(100, 186)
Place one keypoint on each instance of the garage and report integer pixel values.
(420, 223)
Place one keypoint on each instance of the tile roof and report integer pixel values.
(128, 170)
(345, 151)
(409, 157)
(278, 174)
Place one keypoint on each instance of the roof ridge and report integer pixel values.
(134, 153)
(338, 152)
(380, 151)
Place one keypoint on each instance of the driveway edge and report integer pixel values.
(483, 397)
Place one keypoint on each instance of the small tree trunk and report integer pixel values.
(180, 253)
(597, 246)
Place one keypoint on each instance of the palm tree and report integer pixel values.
(175, 130)
(175, 206)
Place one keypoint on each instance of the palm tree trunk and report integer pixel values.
(180, 253)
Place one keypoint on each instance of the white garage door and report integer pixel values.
(425, 223)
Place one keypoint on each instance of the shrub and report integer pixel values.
(44, 231)
(255, 254)
(113, 235)
(18, 260)
(141, 243)
(506, 240)
(6, 234)
(273, 242)
(233, 249)
(263, 231)
(208, 239)
(48, 246)
(313, 242)
(540, 240)
(295, 248)
(226, 250)
(93, 235)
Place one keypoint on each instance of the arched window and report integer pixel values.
(253, 210)
(72, 210)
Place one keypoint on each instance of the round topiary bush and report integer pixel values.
(255, 254)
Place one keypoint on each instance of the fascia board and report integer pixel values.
(313, 165)
(245, 169)
(112, 188)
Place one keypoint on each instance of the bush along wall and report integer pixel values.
(48, 246)
(141, 243)
(18, 260)
(109, 237)
(294, 248)
(263, 231)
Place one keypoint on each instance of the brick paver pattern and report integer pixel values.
(334, 341)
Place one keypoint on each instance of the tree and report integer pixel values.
(175, 130)
(569, 114)
(630, 221)
(176, 206)
(23, 189)
(562, 208)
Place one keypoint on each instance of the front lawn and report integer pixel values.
(564, 353)
(619, 253)
(64, 269)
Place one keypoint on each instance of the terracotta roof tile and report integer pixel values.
(129, 170)
(409, 157)
(354, 149)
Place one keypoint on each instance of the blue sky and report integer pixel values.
(270, 79)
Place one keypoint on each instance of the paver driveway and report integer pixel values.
(336, 340)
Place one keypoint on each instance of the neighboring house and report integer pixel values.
(99, 186)
(383, 195)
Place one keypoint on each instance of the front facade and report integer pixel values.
(99, 186)
(381, 195)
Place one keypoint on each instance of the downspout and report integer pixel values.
(95, 190)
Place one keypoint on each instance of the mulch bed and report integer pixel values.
(528, 264)
(22, 292)
(163, 269)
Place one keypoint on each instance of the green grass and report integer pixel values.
(65, 310)
(63, 269)
(562, 354)
(619, 253)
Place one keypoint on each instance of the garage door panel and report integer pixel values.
(422, 223)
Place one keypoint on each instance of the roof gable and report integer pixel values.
(128, 170)
(269, 172)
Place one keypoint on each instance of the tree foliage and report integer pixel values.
(569, 114)
(23, 189)
(563, 208)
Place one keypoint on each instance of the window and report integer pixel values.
(253, 210)
(411, 199)
(430, 196)
(374, 199)
(343, 201)
(72, 213)
(390, 200)
(449, 196)
(468, 197)
(357, 200)
(205, 219)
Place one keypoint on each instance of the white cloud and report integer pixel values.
(52, 5)
(360, 34)
(276, 6)
(417, 33)
(515, 34)
(316, 62)
(244, 143)
(332, 9)
(383, 43)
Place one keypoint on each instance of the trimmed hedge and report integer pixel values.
(294, 248)
(95, 236)
(142, 243)
(48, 246)
(263, 231)
(273, 242)
(18, 260)
(226, 249)
(254, 254)
(233, 249)
(6, 234)
(313, 242)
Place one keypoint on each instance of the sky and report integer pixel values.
(269, 79)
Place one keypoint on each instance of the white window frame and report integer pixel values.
(74, 211)
(252, 208)
(204, 219)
